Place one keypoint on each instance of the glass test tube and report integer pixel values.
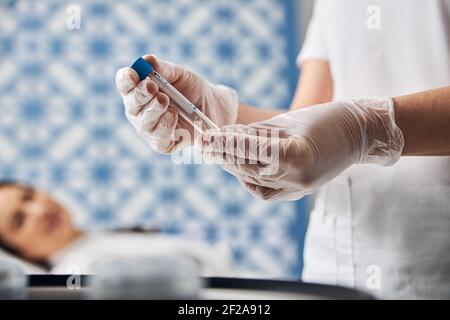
(184, 107)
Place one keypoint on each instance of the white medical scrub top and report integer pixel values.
(84, 254)
(385, 230)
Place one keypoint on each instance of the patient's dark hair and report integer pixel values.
(8, 183)
(9, 249)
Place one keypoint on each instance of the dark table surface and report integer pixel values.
(55, 287)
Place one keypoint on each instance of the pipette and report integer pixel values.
(184, 107)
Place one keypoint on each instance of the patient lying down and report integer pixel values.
(37, 229)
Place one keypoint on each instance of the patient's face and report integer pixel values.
(33, 223)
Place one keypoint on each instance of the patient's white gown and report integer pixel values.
(82, 256)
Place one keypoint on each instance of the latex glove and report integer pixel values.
(155, 121)
(314, 145)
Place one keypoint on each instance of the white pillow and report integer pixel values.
(28, 267)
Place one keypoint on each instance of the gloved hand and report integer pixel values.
(294, 154)
(155, 121)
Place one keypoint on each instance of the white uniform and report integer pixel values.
(376, 228)
(82, 256)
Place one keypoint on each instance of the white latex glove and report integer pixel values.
(315, 145)
(155, 120)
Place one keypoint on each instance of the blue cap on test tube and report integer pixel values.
(142, 67)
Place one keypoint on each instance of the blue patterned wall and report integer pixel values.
(62, 125)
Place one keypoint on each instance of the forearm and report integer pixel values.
(248, 114)
(424, 119)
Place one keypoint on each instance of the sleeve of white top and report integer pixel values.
(314, 46)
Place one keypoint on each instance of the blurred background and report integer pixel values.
(62, 124)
